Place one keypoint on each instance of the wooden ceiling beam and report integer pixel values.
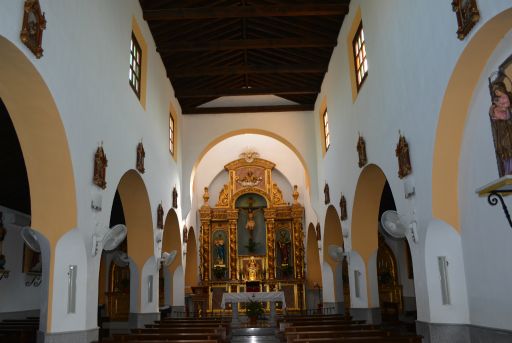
(241, 69)
(239, 44)
(248, 109)
(296, 10)
(215, 93)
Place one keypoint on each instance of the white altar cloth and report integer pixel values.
(244, 297)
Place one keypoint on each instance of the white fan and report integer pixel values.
(30, 237)
(168, 258)
(395, 226)
(336, 252)
(110, 240)
(120, 258)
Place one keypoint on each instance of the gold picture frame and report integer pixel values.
(467, 16)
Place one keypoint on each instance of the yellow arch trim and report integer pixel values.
(453, 115)
(44, 144)
(250, 131)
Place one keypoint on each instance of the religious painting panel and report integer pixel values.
(219, 258)
(284, 252)
(249, 177)
(500, 114)
(252, 268)
(251, 228)
(289, 295)
(216, 299)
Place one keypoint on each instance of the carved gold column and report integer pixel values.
(298, 239)
(270, 216)
(232, 218)
(204, 237)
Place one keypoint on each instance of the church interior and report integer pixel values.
(255, 171)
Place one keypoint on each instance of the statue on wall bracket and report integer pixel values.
(500, 114)
(318, 232)
(327, 196)
(467, 16)
(174, 198)
(34, 23)
(185, 234)
(343, 208)
(160, 217)
(404, 160)
(100, 168)
(140, 158)
(361, 152)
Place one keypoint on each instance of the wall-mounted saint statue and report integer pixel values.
(327, 196)
(361, 152)
(100, 168)
(34, 24)
(283, 244)
(500, 114)
(185, 234)
(220, 249)
(404, 160)
(295, 195)
(174, 198)
(343, 208)
(140, 158)
(318, 232)
(160, 217)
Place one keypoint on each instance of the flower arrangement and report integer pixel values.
(254, 309)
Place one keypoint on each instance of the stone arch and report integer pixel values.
(171, 241)
(137, 213)
(43, 142)
(191, 271)
(333, 235)
(314, 274)
(365, 217)
(314, 270)
(453, 115)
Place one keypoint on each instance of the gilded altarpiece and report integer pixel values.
(252, 239)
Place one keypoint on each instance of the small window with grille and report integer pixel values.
(134, 75)
(360, 61)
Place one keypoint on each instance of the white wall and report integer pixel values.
(85, 66)
(412, 50)
(486, 235)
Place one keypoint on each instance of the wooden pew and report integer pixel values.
(390, 339)
(167, 337)
(293, 336)
(331, 327)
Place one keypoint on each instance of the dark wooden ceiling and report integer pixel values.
(216, 48)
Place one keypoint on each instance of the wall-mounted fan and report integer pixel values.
(109, 239)
(336, 252)
(120, 258)
(29, 235)
(168, 258)
(395, 225)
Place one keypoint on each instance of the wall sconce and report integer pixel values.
(494, 191)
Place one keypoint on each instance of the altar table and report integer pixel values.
(244, 297)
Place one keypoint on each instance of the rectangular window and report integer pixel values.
(171, 134)
(360, 61)
(327, 136)
(134, 75)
